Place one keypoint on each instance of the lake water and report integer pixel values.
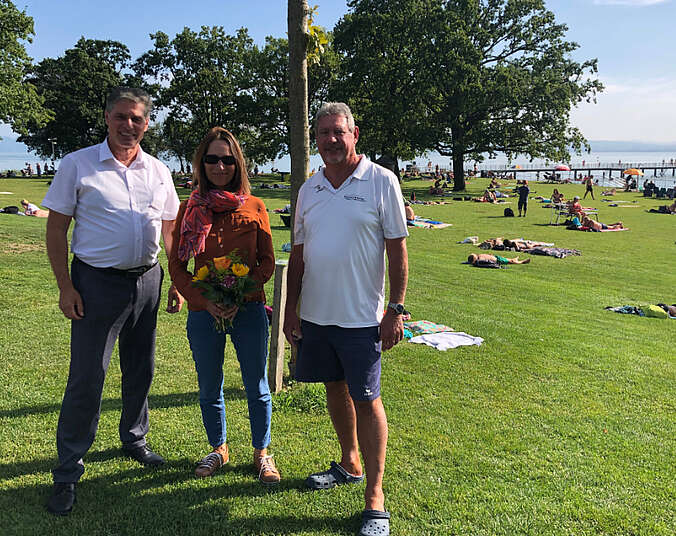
(14, 156)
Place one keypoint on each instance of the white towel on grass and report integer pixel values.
(447, 339)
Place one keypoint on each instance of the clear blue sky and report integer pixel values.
(632, 39)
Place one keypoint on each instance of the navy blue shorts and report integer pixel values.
(332, 353)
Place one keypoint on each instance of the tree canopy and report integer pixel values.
(210, 78)
(74, 87)
(203, 81)
(467, 77)
(379, 75)
(20, 103)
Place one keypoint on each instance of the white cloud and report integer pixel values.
(643, 110)
(636, 3)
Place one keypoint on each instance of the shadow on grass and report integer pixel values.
(170, 400)
(164, 501)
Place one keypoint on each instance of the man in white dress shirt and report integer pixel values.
(348, 215)
(121, 200)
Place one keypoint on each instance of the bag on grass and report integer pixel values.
(509, 213)
(12, 209)
(483, 263)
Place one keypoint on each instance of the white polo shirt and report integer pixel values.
(118, 210)
(343, 233)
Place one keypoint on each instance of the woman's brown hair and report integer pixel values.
(240, 180)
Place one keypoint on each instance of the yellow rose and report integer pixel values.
(240, 270)
(222, 263)
(202, 273)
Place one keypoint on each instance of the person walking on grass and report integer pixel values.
(221, 216)
(122, 199)
(589, 186)
(523, 192)
(348, 216)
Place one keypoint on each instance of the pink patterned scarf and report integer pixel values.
(198, 219)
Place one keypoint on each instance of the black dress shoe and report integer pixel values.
(144, 456)
(63, 498)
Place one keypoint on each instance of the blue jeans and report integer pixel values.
(249, 335)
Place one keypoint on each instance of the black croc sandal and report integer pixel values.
(375, 523)
(335, 476)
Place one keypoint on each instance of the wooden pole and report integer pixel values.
(277, 340)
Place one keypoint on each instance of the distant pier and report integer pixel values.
(605, 169)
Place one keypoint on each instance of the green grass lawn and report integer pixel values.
(563, 422)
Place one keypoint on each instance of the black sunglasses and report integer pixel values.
(228, 159)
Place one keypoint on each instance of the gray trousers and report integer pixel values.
(116, 306)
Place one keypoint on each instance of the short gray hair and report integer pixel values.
(129, 93)
(335, 108)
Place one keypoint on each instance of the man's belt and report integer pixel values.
(130, 272)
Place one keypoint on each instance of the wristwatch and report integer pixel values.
(397, 307)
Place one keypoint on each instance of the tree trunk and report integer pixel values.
(299, 134)
(458, 158)
(458, 171)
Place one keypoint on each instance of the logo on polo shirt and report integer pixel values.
(319, 188)
(354, 198)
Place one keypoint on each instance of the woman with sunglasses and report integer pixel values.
(219, 217)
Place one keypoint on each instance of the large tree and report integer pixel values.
(204, 82)
(486, 76)
(20, 103)
(378, 43)
(74, 87)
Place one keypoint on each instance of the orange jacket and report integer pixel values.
(246, 229)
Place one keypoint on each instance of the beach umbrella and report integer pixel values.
(562, 167)
(633, 171)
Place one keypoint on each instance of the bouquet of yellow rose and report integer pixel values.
(225, 280)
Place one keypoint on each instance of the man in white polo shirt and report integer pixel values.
(121, 200)
(348, 215)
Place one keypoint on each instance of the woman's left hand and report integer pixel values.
(229, 313)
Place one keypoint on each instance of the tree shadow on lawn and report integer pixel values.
(170, 400)
(166, 500)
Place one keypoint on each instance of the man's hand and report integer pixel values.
(292, 327)
(70, 303)
(174, 301)
(391, 329)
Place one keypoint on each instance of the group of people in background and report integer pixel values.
(39, 170)
(122, 201)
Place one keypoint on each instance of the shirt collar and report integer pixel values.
(359, 172)
(106, 154)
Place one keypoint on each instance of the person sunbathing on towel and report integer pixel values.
(488, 197)
(598, 227)
(474, 258)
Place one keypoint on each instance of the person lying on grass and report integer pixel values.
(488, 197)
(598, 226)
(487, 257)
(31, 209)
